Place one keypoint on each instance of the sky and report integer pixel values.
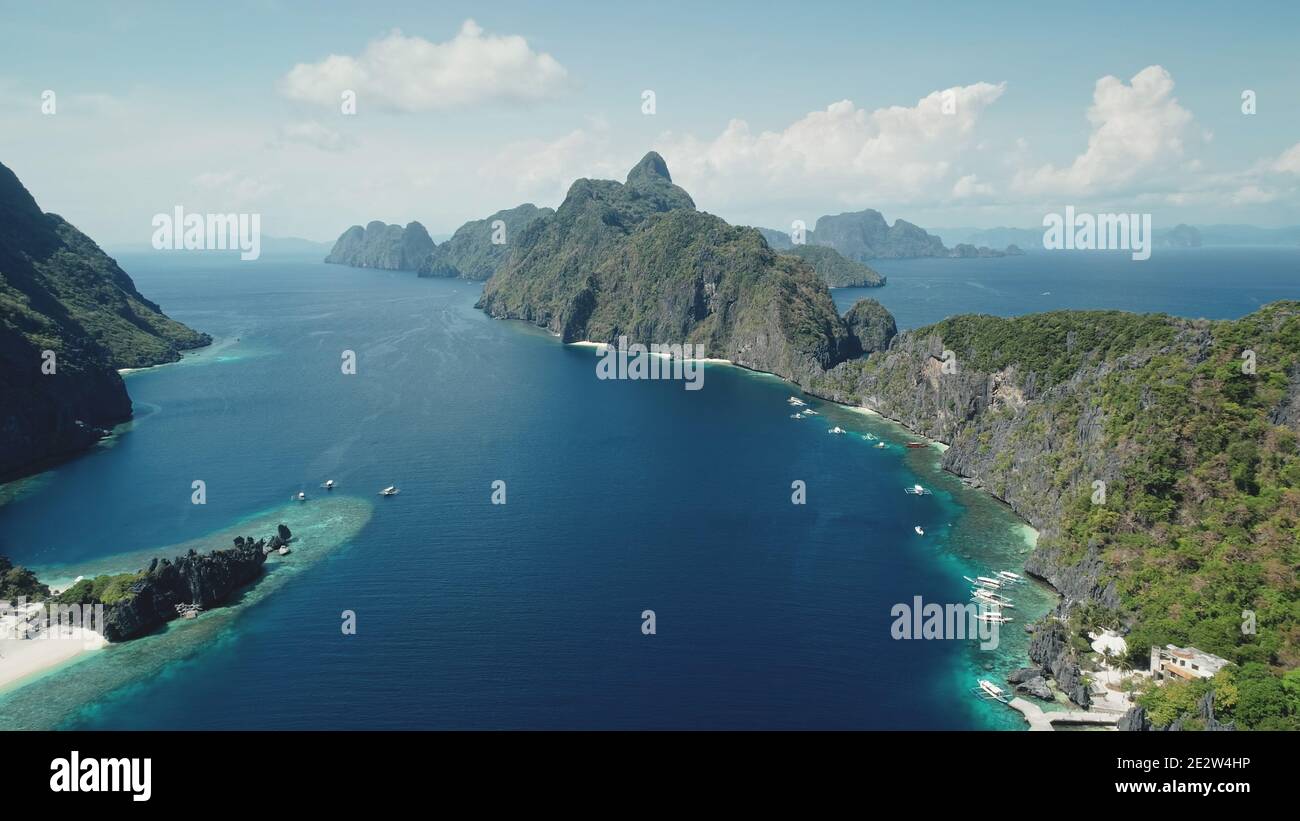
(944, 114)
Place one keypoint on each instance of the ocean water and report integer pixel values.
(621, 497)
(1214, 283)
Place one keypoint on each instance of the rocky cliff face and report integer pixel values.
(834, 269)
(207, 579)
(1050, 649)
(864, 235)
(1157, 456)
(1005, 432)
(637, 259)
(60, 293)
(871, 326)
(388, 247)
(1137, 720)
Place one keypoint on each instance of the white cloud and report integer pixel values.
(1289, 162)
(544, 170)
(412, 74)
(842, 153)
(970, 186)
(312, 134)
(235, 189)
(1137, 129)
(1252, 195)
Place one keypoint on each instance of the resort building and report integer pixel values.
(1172, 663)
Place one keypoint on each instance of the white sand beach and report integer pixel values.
(21, 659)
(601, 346)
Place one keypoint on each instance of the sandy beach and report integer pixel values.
(600, 346)
(21, 659)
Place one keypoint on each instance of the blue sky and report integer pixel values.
(943, 114)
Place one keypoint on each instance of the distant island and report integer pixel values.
(478, 249)
(60, 293)
(865, 235)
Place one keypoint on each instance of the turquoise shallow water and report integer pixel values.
(621, 497)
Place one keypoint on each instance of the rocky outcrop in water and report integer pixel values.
(387, 247)
(968, 251)
(207, 579)
(864, 235)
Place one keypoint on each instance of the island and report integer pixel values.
(1158, 457)
(70, 319)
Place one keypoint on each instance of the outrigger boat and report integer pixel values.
(990, 581)
(916, 490)
(992, 618)
(795, 401)
(988, 690)
(329, 484)
(880, 444)
(982, 582)
(919, 531)
(1009, 576)
(837, 429)
(391, 490)
(916, 444)
(300, 496)
(991, 598)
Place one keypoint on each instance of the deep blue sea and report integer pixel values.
(621, 497)
(1213, 282)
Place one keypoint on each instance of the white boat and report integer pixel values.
(980, 583)
(391, 490)
(919, 531)
(329, 484)
(880, 444)
(794, 401)
(1007, 574)
(988, 689)
(810, 412)
(992, 598)
(992, 618)
(836, 429)
(989, 581)
(300, 496)
(796, 416)
(916, 490)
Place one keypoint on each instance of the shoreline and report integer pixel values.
(23, 661)
(601, 346)
(187, 354)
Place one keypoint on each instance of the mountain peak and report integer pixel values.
(651, 167)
